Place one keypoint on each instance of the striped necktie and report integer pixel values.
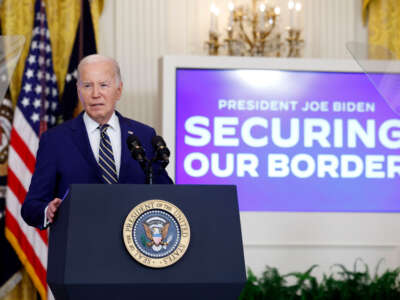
(106, 157)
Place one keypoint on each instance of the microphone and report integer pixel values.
(162, 152)
(136, 149)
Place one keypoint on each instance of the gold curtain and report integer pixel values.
(62, 16)
(17, 18)
(383, 18)
(24, 290)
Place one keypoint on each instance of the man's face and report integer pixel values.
(98, 90)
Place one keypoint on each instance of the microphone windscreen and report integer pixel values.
(157, 141)
(133, 141)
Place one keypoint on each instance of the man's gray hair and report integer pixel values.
(98, 58)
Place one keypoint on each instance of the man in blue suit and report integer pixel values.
(73, 152)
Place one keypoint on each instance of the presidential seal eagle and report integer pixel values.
(156, 235)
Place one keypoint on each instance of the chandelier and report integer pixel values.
(254, 31)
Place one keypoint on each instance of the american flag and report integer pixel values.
(35, 111)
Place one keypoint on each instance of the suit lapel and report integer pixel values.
(125, 155)
(81, 141)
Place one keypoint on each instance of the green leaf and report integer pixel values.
(340, 284)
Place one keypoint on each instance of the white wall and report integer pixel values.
(138, 32)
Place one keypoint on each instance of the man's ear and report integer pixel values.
(119, 89)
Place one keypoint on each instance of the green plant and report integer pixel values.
(341, 284)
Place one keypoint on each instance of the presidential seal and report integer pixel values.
(156, 233)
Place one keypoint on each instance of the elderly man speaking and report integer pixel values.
(90, 148)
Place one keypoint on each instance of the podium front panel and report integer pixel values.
(96, 262)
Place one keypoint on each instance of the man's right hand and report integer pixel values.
(52, 209)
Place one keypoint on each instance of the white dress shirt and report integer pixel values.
(113, 131)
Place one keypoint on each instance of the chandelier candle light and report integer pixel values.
(213, 44)
(255, 31)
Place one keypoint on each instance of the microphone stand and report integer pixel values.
(147, 167)
(149, 171)
(138, 154)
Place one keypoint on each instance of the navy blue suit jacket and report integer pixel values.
(65, 157)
